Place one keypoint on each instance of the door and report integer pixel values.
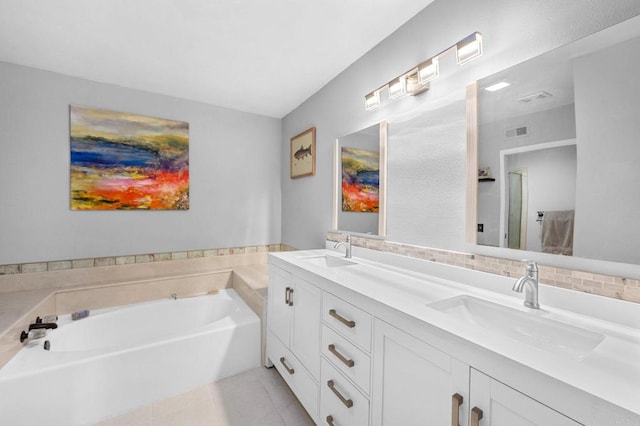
(306, 302)
(516, 226)
(279, 311)
(414, 383)
(495, 404)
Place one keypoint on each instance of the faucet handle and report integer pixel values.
(532, 265)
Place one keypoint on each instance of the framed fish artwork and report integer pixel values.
(303, 154)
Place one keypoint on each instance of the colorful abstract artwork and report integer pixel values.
(123, 161)
(360, 180)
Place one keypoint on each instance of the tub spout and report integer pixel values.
(44, 325)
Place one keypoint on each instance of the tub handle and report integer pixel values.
(289, 370)
(348, 362)
(347, 402)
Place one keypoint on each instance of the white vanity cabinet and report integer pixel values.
(493, 403)
(293, 336)
(415, 383)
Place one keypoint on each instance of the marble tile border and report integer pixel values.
(603, 285)
(59, 265)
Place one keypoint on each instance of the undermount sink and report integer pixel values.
(525, 327)
(328, 261)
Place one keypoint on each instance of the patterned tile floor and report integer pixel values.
(257, 397)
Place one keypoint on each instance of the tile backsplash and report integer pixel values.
(602, 285)
(59, 265)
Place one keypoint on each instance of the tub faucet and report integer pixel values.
(529, 283)
(44, 325)
(347, 245)
(174, 296)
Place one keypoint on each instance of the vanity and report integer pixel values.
(381, 339)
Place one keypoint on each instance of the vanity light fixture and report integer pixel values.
(428, 70)
(372, 100)
(469, 48)
(397, 87)
(417, 80)
(497, 86)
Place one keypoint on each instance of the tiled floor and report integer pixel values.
(257, 397)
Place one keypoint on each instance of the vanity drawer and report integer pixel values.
(353, 323)
(340, 402)
(344, 356)
(297, 377)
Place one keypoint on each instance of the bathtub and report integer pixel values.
(120, 358)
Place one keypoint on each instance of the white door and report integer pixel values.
(279, 311)
(496, 404)
(414, 383)
(305, 334)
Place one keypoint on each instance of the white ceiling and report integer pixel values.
(260, 56)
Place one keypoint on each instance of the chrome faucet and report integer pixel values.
(529, 283)
(347, 245)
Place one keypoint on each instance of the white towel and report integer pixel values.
(557, 232)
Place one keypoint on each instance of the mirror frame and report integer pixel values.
(382, 189)
(606, 267)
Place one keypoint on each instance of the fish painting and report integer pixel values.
(302, 152)
(122, 161)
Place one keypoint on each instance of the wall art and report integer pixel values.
(360, 180)
(303, 154)
(122, 161)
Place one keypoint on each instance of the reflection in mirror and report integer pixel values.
(360, 181)
(558, 150)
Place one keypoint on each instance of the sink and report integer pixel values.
(525, 327)
(328, 261)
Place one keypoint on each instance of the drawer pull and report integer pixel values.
(347, 402)
(348, 362)
(456, 402)
(289, 370)
(286, 295)
(342, 319)
(330, 420)
(290, 297)
(476, 416)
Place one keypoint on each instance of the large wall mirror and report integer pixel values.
(359, 195)
(558, 151)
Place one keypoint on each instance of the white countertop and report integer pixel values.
(611, 371)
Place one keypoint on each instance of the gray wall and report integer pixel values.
(513, 31)
(234, 175)
(608, 192)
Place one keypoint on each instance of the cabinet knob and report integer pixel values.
(347, 402)
(343, 320)
(348, 362)
(456, 402)
(476, 416)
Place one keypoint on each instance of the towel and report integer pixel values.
(557, 232)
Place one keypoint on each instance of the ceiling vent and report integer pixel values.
(517, 132)
(538, 96)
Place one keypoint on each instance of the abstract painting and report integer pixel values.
(122, 161)
(360, 180)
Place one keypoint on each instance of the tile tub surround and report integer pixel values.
(602, 285)
(58, 265)
(65, 291)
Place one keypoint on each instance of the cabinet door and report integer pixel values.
(279, 311)
(305, 333)
(413, 382)
(505, 406)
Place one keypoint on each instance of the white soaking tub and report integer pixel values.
(120, 358)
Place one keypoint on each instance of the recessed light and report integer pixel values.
(497, 86)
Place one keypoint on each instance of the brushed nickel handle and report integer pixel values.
(342, 319)
(347, 402)
(330, 420)
(286, 295)
(476, 415)
(289, 370)
(456, 402)
(348, 362)
(291, 297)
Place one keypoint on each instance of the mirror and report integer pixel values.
(359, 195)
(557, 165)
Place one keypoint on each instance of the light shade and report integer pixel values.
(397, 87)
(372, 100)
(469, 49)
(428, 70)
